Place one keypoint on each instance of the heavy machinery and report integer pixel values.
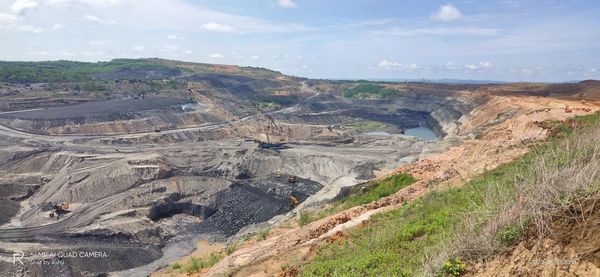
(269, 135)
(60, 208)
(568, 109)
(293, 201)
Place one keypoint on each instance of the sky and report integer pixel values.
(505, 40)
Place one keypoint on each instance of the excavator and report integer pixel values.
(60, 208)
(270, 136)
(293, 201)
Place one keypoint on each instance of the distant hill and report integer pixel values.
(123, 69)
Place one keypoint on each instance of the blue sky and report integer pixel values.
(512, 40)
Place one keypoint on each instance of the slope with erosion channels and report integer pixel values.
(152, 155)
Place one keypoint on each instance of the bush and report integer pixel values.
(509, 234)
(453, 267)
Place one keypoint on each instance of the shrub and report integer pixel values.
(453, 267)
(509, 234)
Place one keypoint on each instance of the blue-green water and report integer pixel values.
(421, 132)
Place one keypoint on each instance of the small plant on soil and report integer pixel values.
(453, 267)
(262, 235)
(509, 235)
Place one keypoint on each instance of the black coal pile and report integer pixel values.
(252, 201)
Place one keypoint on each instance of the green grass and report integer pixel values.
(195, 265)
(404, 241)
(262, 235)
(374, 191)
(367, 126)
(369, 91)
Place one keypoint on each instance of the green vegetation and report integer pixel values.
(369, 91)
(230, 248)
(367, 126)
(371, 192)
(195, 265)
(266, 106)
(63, 71)
(453, 267)
(509, 234)
(432, 234)
(262, 235)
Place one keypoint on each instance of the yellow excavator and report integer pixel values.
(59, 209)
(293, 201)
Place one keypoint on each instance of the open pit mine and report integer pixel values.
(122, 172)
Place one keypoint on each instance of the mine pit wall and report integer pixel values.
(443, 109)
(118, 124)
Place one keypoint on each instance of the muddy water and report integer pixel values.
(419, 132)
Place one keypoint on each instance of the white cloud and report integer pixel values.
(170, 47)
(387, 64)
(139, 48)
(486, 64)
(96, 19)
(440, 31)
(216, 56)
(287, 3)
(21, 5)
(451, 66)
(480, 66)
(527, 71)
(100, 3)
(412, 66)
(92, 18)
(32, 29)
(446, 13)
(216, 27)
(58, 26)
(254, 57)
(188, 51)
